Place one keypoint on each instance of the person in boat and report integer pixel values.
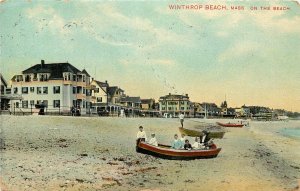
(181, 118)
(141, 134)
(176, 144)
(197, 144)
(187, 145)
(153, 140)
(183, 138)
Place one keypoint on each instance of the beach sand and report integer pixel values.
(93, 153)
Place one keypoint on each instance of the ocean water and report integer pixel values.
(291, 132)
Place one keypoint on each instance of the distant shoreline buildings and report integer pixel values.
(61, 87)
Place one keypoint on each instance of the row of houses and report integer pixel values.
(61, 86)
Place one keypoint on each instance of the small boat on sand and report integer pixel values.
(194, 133)
(230, 125)
(166, 152)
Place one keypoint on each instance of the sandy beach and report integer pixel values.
(93, 153)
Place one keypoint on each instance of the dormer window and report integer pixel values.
(19, 78)
(43, 77)
(27, 78)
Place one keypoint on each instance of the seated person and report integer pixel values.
(208, 144)
(197, 144)
(187, 145)
(153, 140)
(176, 144)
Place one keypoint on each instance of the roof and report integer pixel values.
(3, 80)
(102, 85)
(56, 70)
(131, 99)
(174, 96)
(86, 73)
(147, 101)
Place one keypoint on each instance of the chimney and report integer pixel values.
(169, 93)
(187, 95)
(42, 62)
(92, 79)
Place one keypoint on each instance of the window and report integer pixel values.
(83, 90)
(163, 108)
(31, 102)
(8, 91)
(43, 77)
(182, 108)
(182, 102)
(45, 90)
(15, 90)
(17, 104)
(99, 99)
(39, 102)
(74, 77)
(83, 104)
(45, 102)
(27, 78)
(169, 108)
(74, 90)
(56, 103)
(96, 90)
(39, 90)
(56, 89)
(83, 78)
(31, 89)
(88, 92)
(74, 102)
(25, 90)
(25, 104)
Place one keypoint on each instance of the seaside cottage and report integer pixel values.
(57, 86)
(105, 98)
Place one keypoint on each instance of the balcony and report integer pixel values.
(80, 96)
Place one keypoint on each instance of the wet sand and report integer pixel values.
(82, 153)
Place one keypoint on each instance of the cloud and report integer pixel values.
(47, 18)
(238, 50)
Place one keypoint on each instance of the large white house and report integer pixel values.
(59, 86)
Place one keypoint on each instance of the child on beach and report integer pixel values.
(197, 144)
(181, 117)
(153, 140)
(141, 134)
(187, 145)
(176, 144)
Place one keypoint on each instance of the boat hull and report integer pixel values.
(193, 133)
(230, 125)
(172, 154)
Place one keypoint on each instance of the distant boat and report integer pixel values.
(230, 124)
(166, 152)
(282, 117)
(193, 133)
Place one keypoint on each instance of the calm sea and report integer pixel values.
(291, 132)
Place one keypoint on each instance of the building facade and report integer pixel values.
(174, 104)
(57, 86)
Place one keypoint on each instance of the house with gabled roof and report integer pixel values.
(58, 86)
(106, 97)
(131, 105)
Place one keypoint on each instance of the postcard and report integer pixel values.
(173, 95)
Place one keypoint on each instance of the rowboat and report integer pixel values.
(194, 133)
(166, 152)
(230, 125)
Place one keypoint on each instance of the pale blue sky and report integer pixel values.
(149, 50)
